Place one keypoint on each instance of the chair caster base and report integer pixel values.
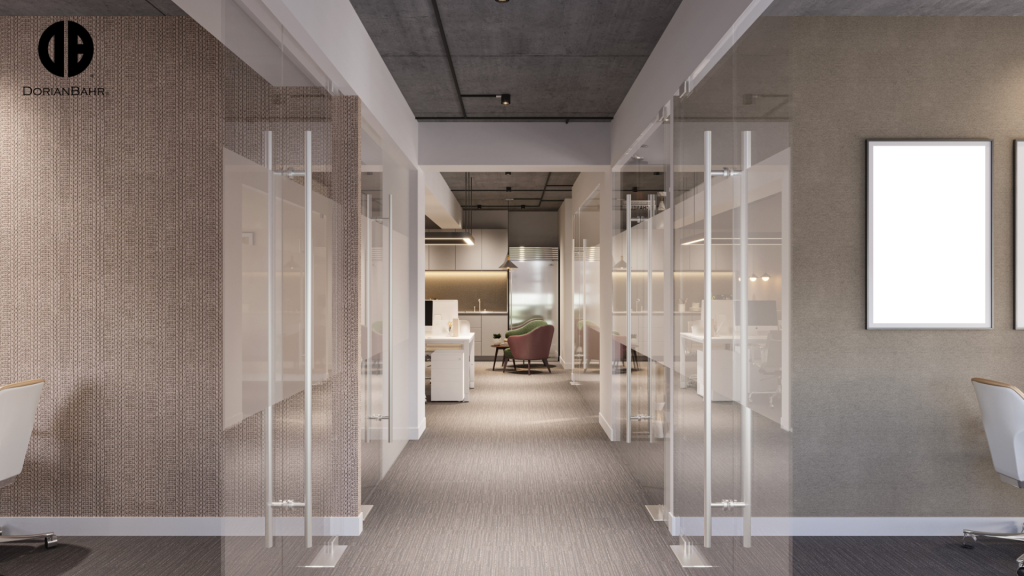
(49, 538)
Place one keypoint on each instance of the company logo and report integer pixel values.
(79, 49)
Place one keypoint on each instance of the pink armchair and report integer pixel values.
(534, 345)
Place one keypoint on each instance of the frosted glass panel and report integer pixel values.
(929, 234)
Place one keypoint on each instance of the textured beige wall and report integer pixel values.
(110, 276)
(885, 423)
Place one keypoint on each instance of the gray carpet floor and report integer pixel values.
(519, 481)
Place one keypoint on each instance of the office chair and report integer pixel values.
(18, 403)
(1002, 413)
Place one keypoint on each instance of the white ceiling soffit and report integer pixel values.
(514, 146)
(688, 45)
(441, 206)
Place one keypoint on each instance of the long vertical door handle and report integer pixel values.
(368, 321)
(391, 315)
(268, 413)
(308, 281)
(629, 317)
(583, 298)
(650, 320)
(747, 419)
(707, 339)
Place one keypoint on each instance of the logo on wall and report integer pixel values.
(79, 49)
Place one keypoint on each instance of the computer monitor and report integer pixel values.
(760, 313)
(429, 307)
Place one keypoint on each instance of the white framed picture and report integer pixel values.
(929, 257)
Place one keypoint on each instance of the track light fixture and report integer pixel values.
(506, 99)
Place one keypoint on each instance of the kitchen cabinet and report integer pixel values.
(495, 248)
(440, 257)
(475, 326)
(493, 325)
(467, 257)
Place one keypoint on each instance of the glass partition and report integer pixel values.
(586, 278)
(373, 323)
(282, 228)
(731, 409)
(643, 310)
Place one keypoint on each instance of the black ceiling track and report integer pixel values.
(448, 53)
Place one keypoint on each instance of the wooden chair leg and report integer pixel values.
(514, 367)
(547, 365)
(529, 367)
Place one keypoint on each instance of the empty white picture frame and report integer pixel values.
(929, 234)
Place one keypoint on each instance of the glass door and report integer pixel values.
(586, 288)
(732, 457)
(375, 272)
(643, 312)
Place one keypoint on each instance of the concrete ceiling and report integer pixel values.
(557, 59)
(538, 191)
(896, 8)
(90, 8)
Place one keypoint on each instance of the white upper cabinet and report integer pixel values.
(440, 257)
(468, 257)
(495, 248)
(487, 253)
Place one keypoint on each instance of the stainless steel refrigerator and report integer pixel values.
(533, 288)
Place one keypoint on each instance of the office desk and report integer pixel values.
(463, 342)
(723, 360)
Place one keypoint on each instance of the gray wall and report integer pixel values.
(885, 423)
(111, 276)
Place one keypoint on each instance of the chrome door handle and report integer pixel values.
(629, 317)
(391, 314)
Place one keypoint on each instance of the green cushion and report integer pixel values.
(579, 325)
(526, 329)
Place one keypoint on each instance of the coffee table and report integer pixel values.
(497, 348)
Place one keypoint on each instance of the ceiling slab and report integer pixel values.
(401, 27)
(434, 93)
(568, 59)
(561, 86)
(488, 190)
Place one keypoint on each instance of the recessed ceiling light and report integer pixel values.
(501, 1)
(506, 99)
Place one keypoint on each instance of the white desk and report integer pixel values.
(463, 341)
(722, 363)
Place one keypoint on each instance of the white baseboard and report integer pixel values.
(844, 526)
(176, 526)
(607, 428)
(420, 429)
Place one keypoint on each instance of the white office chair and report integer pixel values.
(1002, 412)
(18, 403)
